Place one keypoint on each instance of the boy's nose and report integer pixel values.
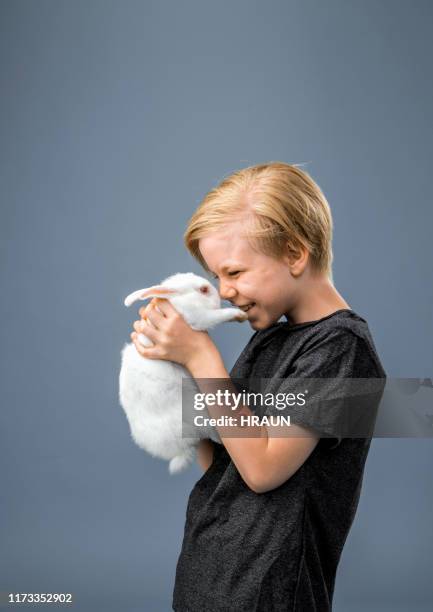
(226, 292)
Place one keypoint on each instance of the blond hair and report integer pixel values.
(278, 204)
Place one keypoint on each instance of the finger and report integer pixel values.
(141, 327)
(148, 352)
(156, 318)
(137, 326)
(149, 310)
(142, 324)
(144, 310)
(145, 314)
(165, 306)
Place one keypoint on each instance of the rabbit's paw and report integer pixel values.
(241, 316)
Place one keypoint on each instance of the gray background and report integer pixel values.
(116, 119)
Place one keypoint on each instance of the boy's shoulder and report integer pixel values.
(339, 324)
(341, 336)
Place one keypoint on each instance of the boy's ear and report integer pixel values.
(143, 294)
(297, 258)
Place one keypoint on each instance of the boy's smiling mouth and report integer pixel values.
(247, 307)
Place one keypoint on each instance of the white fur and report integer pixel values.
(150, 390)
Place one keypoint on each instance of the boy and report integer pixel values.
(266, 523)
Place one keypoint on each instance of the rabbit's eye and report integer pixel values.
(204, 289)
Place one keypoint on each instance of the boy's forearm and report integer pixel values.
(245, 444)
(205, 454)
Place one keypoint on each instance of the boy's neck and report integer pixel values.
(318, 298)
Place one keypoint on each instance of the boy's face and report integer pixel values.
(246, 276)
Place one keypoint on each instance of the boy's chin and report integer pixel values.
(258, 323)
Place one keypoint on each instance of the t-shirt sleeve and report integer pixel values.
(328, 400)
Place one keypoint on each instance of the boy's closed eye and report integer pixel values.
(229, 273)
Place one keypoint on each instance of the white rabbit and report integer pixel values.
(150, 390)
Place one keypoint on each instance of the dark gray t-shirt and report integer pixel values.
(278, 551)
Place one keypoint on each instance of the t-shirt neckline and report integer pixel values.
(305, 323)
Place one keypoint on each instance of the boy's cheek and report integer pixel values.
(248, 289)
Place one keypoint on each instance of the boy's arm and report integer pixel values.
(264, 463)
(205, 454)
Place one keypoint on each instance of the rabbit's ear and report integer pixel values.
(143, 294)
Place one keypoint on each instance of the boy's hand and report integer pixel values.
(173, 339)
(144, 310)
